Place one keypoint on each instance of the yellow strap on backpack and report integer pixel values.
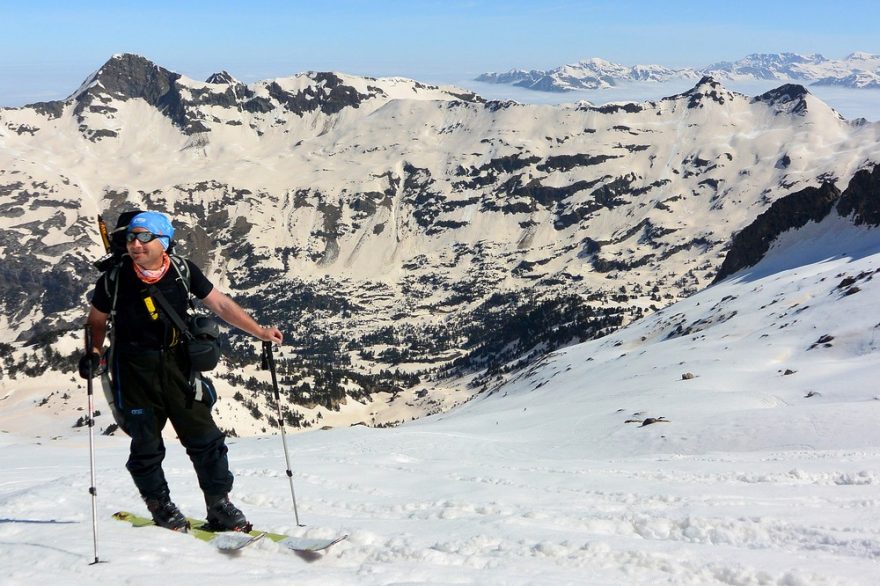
(151, 307)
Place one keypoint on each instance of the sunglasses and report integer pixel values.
(143, 237)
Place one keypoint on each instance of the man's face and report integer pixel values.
(147, 255)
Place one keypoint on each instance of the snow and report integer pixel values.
(749, 476)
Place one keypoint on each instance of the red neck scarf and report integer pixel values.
(152, 276)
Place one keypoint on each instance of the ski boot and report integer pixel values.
(224, 516)
(166, 514)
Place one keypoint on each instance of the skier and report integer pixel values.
(151, 371)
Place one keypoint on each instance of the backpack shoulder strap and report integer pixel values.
(111, 286)
(183, 274)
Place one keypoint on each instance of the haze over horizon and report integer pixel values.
(51, 47)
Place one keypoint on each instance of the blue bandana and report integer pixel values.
(157, 223)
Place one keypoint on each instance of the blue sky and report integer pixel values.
(49, 47)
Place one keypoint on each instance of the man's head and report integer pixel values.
(148, 236)
(155, 223)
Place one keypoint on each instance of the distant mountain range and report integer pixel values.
(857, 70)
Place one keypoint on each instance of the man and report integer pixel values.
(151, 373)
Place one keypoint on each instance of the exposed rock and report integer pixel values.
(706, 89)
(786, 213)
(569, 162)
(221, 78)
(51, 110)
(330, 95)
(126, 77)
(786, 98)
(862, 198)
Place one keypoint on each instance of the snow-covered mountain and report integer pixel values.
(588, 74)
(729, 438)
(857, 70)
(403, 235)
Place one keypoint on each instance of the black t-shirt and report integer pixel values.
(133, 324)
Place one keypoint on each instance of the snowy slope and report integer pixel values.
(761, 469)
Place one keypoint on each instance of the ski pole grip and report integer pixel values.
(87, 338)
(270, 360)
(264, 357)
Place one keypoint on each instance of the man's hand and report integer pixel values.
(271, 334)
(89, 364)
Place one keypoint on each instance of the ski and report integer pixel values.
(306, 544)
(228, 541)
(234, 540)
(225, 541)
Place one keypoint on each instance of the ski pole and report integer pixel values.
(268, 361)
(93, 488)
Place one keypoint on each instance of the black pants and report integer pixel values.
(152, 387)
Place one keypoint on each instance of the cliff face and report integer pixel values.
(862, 198)
(860, 201)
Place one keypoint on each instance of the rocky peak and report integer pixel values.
(127, 76)
(221, 78)
(789, 97)
(706, 90)
(707, 81)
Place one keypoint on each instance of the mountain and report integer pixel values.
(857, 70)
(416, 243)
(586, 75)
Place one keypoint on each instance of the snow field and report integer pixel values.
(445, 508)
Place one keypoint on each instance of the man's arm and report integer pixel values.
(232, 313)
(97, 321)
